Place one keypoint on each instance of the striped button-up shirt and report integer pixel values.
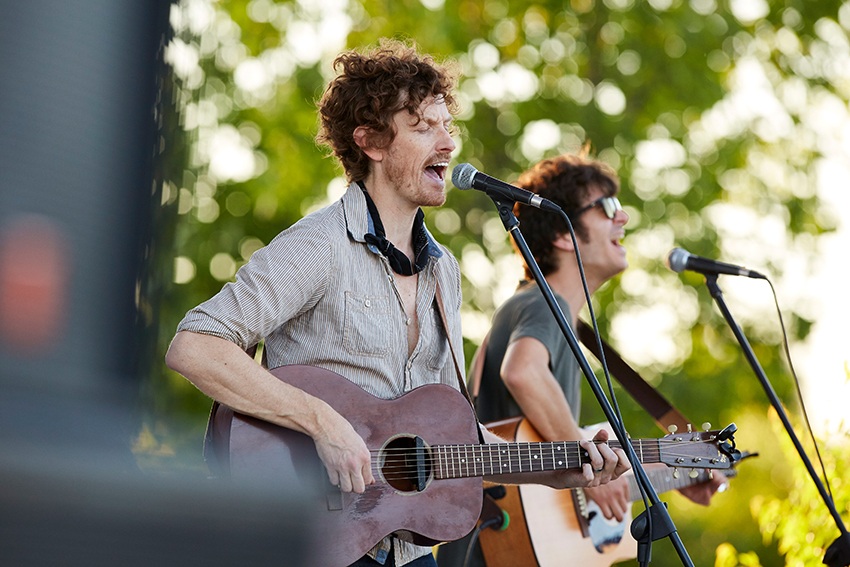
(319, 295)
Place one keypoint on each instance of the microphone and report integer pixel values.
(680, 260)
(465, 176)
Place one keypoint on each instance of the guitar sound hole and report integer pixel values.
(403, 464)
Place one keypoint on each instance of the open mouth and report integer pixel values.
(437, 170)
(617, 241)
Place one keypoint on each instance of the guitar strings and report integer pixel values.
(456, 458)
(518, 449)
(569, 445)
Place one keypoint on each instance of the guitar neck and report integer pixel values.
(462, 461)
(664, 481)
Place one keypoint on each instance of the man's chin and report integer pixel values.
(433, 199)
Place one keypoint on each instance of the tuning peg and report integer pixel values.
(675, 473)
(694, 473)
(672, 428)
(706, 426)
(689, 428)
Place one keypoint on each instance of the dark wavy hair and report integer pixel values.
(369, 90)
(567, 180)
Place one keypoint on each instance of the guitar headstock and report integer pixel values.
(700, 449)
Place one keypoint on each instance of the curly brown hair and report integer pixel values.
(371, 88)
(567, 180)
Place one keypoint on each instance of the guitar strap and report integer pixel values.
(661, 410)
(476, 367)
(643, 393)
(458, 371)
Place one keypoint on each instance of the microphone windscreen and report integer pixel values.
(462, 176)
(677, 260)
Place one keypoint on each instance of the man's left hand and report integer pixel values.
(702, 493)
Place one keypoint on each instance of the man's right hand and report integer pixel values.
(224, 372)
(344, 453)
(612, 498)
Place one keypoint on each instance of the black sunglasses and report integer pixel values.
(610, 206)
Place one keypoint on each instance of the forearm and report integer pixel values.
(526, 374)
(546, 408)
(224, 372)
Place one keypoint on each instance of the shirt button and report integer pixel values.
(407, 321)
(368, 303)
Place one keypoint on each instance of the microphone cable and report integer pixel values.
(621, 427)
(798, 389)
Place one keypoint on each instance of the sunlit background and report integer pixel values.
(728, 122)
(791, 121)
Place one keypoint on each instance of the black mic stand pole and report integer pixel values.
(838, 554)
(659, 524)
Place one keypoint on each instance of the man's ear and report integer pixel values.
(564, 242)
(363, 139)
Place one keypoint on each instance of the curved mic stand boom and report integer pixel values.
(838, 554)
(644, 529)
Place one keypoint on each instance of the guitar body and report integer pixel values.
(428, 465)
(546, 528)
(351, 524)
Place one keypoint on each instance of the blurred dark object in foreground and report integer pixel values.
(86, 514)
(79, 116)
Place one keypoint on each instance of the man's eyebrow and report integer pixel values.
(437, 119)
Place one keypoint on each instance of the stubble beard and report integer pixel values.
(409, 185)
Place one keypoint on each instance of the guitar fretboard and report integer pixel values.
(462, 461)
(664, 481)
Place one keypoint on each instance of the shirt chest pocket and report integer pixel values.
(368, 327)
(439, 346)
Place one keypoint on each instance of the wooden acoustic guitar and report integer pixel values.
(548, 528)
(426, 459)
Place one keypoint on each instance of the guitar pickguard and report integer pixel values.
(604, 533)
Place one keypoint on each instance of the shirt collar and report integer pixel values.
(358, 221)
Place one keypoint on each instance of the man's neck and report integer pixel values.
(566, 282)
(397, 215)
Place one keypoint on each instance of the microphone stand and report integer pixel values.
(838, 553)
(644, 529)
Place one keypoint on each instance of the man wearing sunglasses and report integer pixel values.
(528, 368)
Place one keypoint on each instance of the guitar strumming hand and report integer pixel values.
(344, 454)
